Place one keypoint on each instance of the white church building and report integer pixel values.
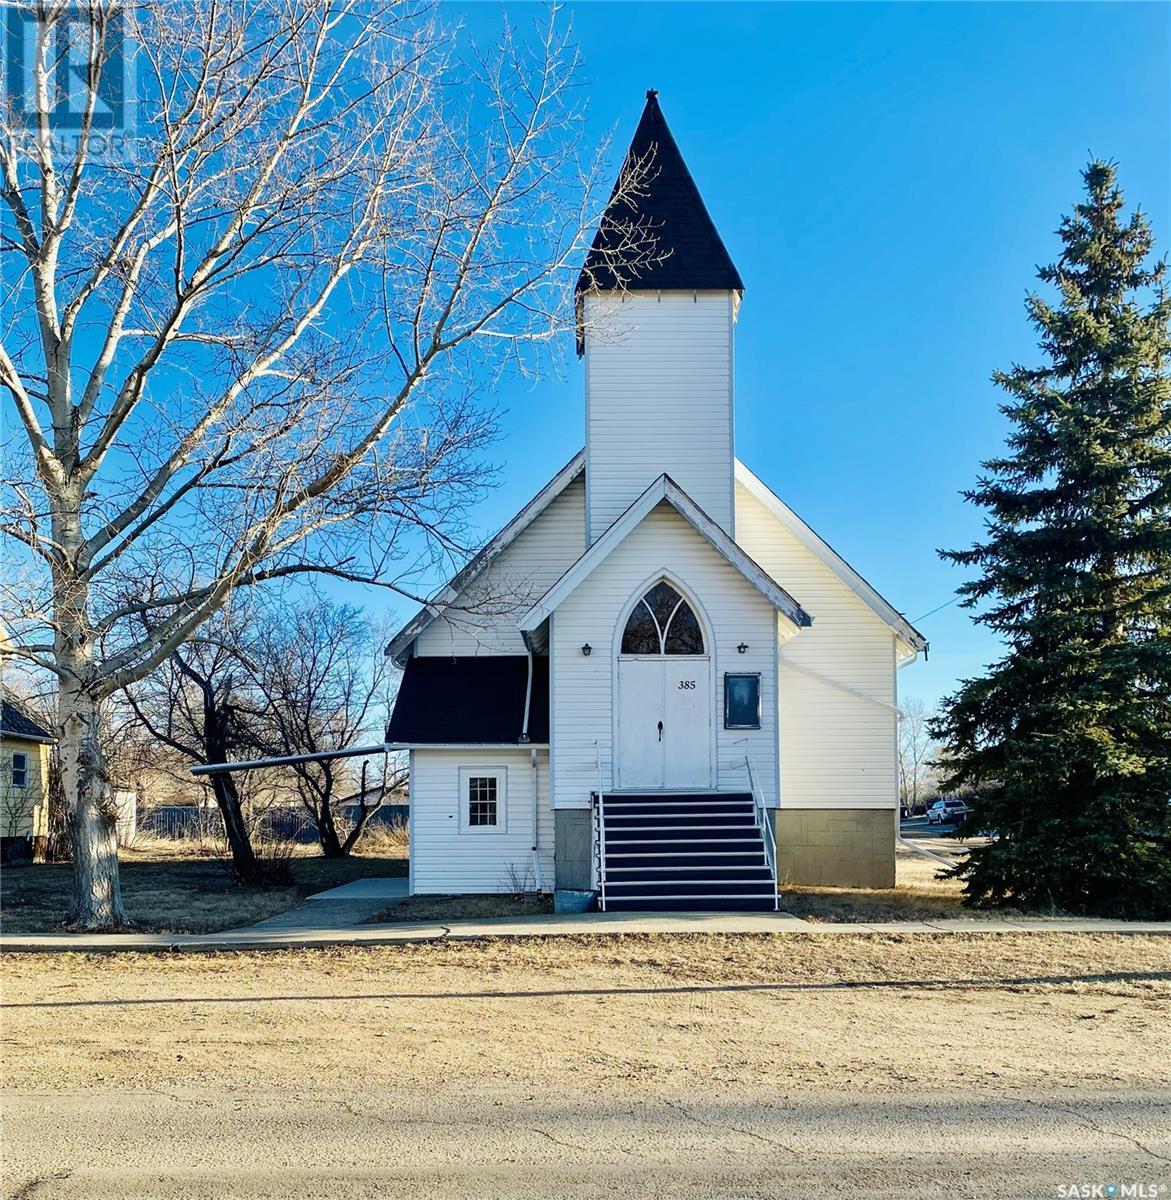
(657, 682)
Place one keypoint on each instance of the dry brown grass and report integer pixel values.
(917, 895)
(477, 906)
(178, 887)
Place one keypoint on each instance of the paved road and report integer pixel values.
(292, 1146)
(919, 828)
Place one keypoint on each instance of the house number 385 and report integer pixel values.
(686, 685)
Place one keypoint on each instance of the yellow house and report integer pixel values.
(24, 775)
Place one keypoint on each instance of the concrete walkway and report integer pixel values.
(327, 921)
(334, 911)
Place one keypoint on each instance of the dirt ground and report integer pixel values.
(697, 1066)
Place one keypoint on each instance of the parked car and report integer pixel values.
(947, 811)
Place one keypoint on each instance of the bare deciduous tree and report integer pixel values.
(917, 752)
(246, 348)
(324, 681)
(189, 704)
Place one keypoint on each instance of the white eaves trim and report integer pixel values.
(400, 644)
(914, 640)
(665, 489)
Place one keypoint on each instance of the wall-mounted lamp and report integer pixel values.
(587, 649)
(742, 648)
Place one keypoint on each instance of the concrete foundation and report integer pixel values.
(829, 847)
(573, 831)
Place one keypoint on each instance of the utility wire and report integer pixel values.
(945, 604)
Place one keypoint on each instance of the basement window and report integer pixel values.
(742, 701)
(482, 799)
(20, 770)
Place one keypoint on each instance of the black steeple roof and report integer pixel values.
(657, 234)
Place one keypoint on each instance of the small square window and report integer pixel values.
(482, 800)
(20, 770)
(742, 701)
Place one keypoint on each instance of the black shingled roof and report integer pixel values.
(15, 722)
(687, 252)
(469, 700)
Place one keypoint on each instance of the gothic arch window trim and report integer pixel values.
(663, 621)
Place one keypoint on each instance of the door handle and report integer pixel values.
(660, 731)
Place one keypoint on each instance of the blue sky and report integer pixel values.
(886, 178)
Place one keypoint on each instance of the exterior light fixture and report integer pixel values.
(742, 648)
(587, 649)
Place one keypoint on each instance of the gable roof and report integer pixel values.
(657, 234)
(400, 644)
(831, 558)
(476, 701)
(665, 489)
(15, 721)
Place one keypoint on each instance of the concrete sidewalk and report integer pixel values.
(329, 922)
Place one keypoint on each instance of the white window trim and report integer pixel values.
(23, 767)
(500, 774)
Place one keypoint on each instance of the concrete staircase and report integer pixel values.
(684, 851)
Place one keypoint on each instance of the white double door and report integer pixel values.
(663, 736)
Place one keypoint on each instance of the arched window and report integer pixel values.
(662, 623)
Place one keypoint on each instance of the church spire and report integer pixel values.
(656, 233)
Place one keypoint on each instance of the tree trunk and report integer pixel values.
(364, 814)
(331, 846)
(244, 862)
(97, 895)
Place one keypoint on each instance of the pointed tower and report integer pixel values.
(657, 303)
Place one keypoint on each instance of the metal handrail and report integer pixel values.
(600, 831)
(766, 826)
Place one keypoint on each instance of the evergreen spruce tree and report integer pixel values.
(1067, 739)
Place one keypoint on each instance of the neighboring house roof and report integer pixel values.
(470, 701)
(658, 234)
(16, 722)
(400, 644)
(778, 509)
(664, 490)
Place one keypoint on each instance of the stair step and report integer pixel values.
(736, 904)
(673, 797)
(692, 860)
(687, 870)
(696, 821)
(688, 887)
(639, 825)
(657, 812)
(637, 878)
(714, 845)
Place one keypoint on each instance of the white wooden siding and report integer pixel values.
(658, 399)
(446, 858)
(484, 620)
(837, 693)
(583, 686)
